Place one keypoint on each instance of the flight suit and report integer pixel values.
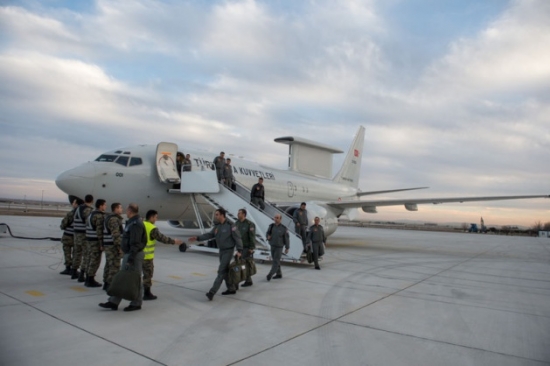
(278, 239)
(247, 230)
(300, 221)
(257, 196)
(228, 239)
(219, 164)
(228, 178)
(316, 236)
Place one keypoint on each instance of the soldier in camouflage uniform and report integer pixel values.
(228, 239)
(316, 238)
(68, 238)
(79, 225)
(112, 239)
(247, 229)
(153, 234)
(94, 239)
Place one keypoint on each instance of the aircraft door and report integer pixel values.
(166, 163)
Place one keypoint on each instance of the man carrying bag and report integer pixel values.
(247, 229)
(228, 239)
(134, 240)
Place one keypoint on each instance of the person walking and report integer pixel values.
(277, 236)
(228, 239)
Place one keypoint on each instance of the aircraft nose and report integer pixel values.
(78, 181)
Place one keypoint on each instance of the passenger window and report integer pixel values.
(122, 160)
(106, 158)
(135, 161)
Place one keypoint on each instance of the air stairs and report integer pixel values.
(204, 183)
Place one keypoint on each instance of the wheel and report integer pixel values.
(183, 247)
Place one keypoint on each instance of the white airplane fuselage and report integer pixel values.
(141, 184)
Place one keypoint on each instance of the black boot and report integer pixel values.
(74, 274)
(67, 271)
(82, 276)
(147, 295)
(105, 286)
(91, 282)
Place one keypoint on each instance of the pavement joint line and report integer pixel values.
(337, 319)
(473, 306)
(83, 330)
(441, 342)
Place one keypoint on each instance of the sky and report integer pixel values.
(454, 95)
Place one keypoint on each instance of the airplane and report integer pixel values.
(148, 175)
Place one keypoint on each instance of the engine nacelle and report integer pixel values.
(329, 221)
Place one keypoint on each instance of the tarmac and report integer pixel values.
(382, 297)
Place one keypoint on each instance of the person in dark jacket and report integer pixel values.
(257, 194)
(134, 240)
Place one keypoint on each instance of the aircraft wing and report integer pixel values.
(410, 203)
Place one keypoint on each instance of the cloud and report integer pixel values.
(469, 119)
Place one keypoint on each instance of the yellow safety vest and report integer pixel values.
(149, 250)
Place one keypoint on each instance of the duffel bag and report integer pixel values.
(309, 254)
(250, 266)
(237, 271)
(125, 284)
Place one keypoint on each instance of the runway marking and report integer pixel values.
(176, 277)
(34, 293)
(79, 289)
(198, 274)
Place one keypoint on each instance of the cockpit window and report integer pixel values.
(106, 158)
(122, 160)
(118, 152)
(135, 161)
(127, 153)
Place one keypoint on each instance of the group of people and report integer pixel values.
(238, 240)
(88, 232)
(313, 238)
(224, 171)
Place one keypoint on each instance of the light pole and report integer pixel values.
(42, 201)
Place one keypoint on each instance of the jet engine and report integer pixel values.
(329, 220)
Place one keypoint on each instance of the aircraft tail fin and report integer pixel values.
(351, 168)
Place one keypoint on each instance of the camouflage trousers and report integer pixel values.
(113, 256)
(92, 260)
(85, 256)
(148, 270)
(79, 244)
(68, 246)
